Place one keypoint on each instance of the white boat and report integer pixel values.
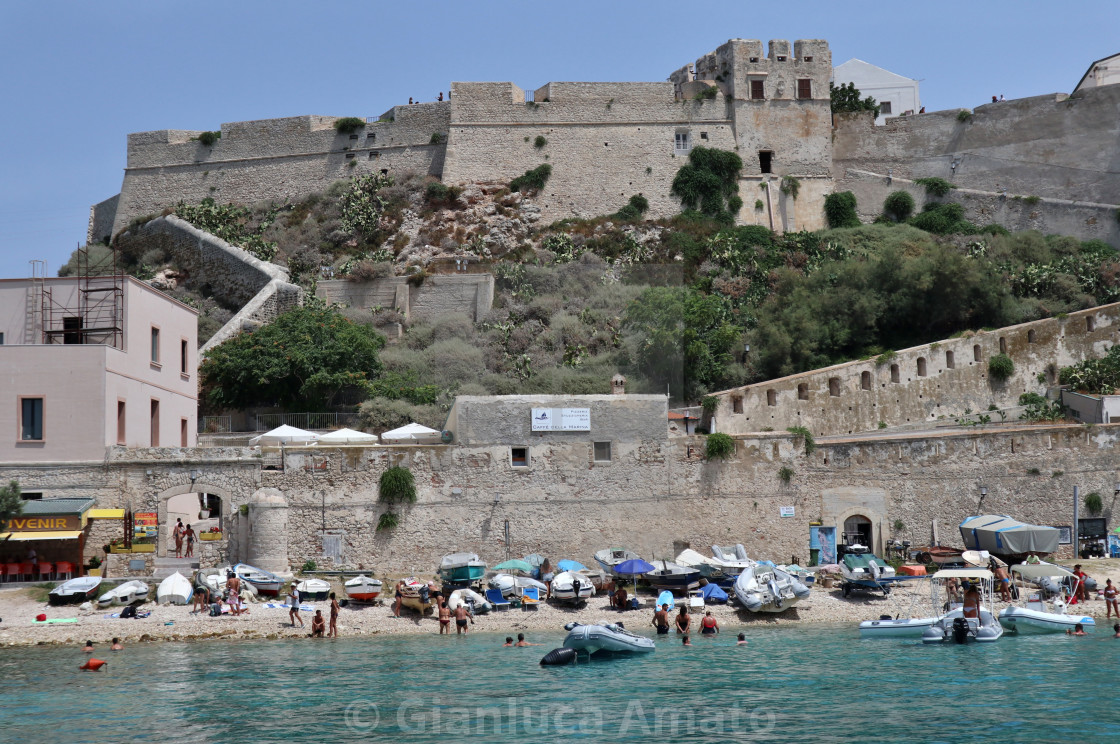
(512, 586)
(672, 576)
(462, 568)
(605, 637)
(1037, 615)
(268, 584)
(472, 599)
(907, 627)
(362, 588)
(572, 586)
(124, 594)
(74, 591)
(708, 567)
(763, 588)
(980, 625)
(608, 558)
(731, 559)
(214, 580)
(313, 590)
(175, 589)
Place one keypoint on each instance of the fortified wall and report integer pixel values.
(471, 295)
(941, 380)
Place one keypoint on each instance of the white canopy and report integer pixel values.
(411, 433)
(284, 435)
(347, 436)
(1040, 570)
(963, 573)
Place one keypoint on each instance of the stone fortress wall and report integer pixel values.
(940, 380)
(471, 295)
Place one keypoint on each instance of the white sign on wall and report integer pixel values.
(785, 511)
(561, 419)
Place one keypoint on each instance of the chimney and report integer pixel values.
(618, 385)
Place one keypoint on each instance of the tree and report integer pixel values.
(300, 361)
(846, 98)
(11, 504)
(709, 182)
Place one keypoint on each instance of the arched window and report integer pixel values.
(1030, 336)
(976, 353)
(1090, 324)
(1002, 345)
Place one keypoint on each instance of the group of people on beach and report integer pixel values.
(318, 622)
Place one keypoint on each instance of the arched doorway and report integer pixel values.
(190, 503)
(858, 531)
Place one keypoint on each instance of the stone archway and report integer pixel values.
(838, 505)
(167, 494)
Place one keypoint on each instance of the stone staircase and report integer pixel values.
(164, 567)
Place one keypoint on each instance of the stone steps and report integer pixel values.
(164, 567)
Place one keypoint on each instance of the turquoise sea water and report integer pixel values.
(789, 684)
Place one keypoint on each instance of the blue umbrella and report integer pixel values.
(567, 565)
(633, 567)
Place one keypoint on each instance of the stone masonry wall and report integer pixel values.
(924, 383)
(440, 294)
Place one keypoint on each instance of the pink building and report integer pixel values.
(88, 363)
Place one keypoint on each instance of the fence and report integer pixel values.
(269, 421)
(215, 424)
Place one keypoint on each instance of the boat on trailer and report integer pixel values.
(572, 586)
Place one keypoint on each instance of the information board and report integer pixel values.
(561, 419)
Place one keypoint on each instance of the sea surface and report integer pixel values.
(787, 685)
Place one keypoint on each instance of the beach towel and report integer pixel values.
(302, 607)
(56, 620)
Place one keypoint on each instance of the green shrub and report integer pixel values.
(1094, 376)
(758, 205)
(532, 180)
(1000, 367)
(1039, 408)
(439, 195)
(898, 205)
(709, 403)
(708, 182)
(840, 210)
(308, 565)
(964, 115)
(628, 213)
(804, 433)
(719, 446)
(791, 187)
(640, 203)
(397, 486)
(943, 219)
(1032, 200)
(437, 138)
(1093, 502)
(785, 474)
(540, 141)
(706, 94)
(388, 521)
(994, 229)
(209, 138)
(935, 186)
(349, 124)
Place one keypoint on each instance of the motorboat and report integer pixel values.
(312, 590)
(572, 586)
(462, 568)
(708, 568)
(512, 586)
(605, 638)
(362, 588)
(963, 624)
(1038, 615)
(75, 591)
(416, 595)
(597, 576)
(763, 588)
(886, 627)
(1006, 537)
(672, 576)
(175, 589)
(472, 599)
(124, 594)
(267, 584)
(608, 558)
(862, 569)
(732, 559)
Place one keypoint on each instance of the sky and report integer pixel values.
(79, 76)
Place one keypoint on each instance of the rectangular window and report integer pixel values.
(519, 457)
(155, 345)
(37, 496)
(120, 422)
(764, 158)
(182, 432)
(680, 142)
(1, 339)
(757, 92)
(884, 107)
(155, 422)
(31, 419)
(72, 330)
(703, 135)
(183, 357)
(736, 404)
(602, 451)
(804, 88)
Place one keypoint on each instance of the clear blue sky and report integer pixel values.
(79, 76)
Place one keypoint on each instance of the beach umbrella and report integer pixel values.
(515, 564)
(284, 435)
(347, 436)
(634, 567)
(567, 565)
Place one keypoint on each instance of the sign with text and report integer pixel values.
(561, 419)
(785, 511)
(45, 523)
(145, 519)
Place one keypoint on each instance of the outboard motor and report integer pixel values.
(560, 657)
(960, 630)
(424, 594)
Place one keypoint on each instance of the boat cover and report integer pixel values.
(713, 594)
(1003, 535)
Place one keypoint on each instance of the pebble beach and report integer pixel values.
(169, 623)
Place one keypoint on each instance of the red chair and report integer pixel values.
(10, 570)
(27, 568)
(45, 570)
(63, 567)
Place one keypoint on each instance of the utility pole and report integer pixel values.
(1076, 538)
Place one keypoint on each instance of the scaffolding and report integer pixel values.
(95, 315)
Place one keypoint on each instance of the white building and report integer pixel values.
(1102, 72)
(897, 95)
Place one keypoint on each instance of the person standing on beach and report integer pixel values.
(444, 619)
(333, 632)
(661, 620)
(190, 541)
(397, 600)
(293, 602)
(177, 533)
(1003, 580)
(462, 614)
(684, 621)
(233, 585)
(201, 599)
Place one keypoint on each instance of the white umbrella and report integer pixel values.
(410, 433)
(347, 436)
(284, 435)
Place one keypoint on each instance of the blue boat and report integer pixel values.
(462, 568)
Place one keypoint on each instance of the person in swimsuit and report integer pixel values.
(521, 642)
(461, 616)
(971, 605)
(445, 620)
(709, 626)
(1003, 581)
(178, 535)
(661, 620)
(190, 541)
(1110, 595)
(333, 632)
(508, 643)
(1116, 630)
(684, 621)
(293, 604)
(88, 648)
(397, 600)
(233, 584)
(685, 641)
(116, 645)
(742, 640)
(201, 599)
(318, 624)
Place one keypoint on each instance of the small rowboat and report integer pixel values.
(175, 589)
(75, 591)
(125, 594)
(313, 590)
(363, 589)
(268, 584)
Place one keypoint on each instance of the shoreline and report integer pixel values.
(176, 623)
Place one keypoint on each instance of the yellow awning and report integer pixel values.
(60, 535)
(105, 514)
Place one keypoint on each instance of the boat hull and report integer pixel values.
(984, 629)
(912, 627)
(1022, 621)
(462, 574)
(363, 589)
(75, 591)
(175, 589)
(266, 584)
(594, 639)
